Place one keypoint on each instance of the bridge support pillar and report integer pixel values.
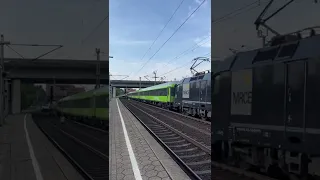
(6, 100)
(16, 96)
(114, 91)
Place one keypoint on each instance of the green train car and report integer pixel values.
(91, 107)
(162, 94)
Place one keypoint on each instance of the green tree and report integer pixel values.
(119, 92)
(31, 95)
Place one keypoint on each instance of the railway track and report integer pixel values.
(172, 111)
(192, 155)
(197, 129)
(82, 150)
(176, 114)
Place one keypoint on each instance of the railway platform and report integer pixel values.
(26, 153)
(134, 153)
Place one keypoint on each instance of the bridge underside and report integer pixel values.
(63, 81)
(49, 71)
(130, 86)
(58, 71)
(133, 83)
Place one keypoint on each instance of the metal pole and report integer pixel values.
(2, 70)
(140, 84)
(263, 41)
(54, 89)
(98, 68)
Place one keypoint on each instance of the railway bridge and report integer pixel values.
(49, 71)
(114, 84)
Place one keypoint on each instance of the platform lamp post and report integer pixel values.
(110, 88)
(2, 72)
(139, 86)
(98, 68)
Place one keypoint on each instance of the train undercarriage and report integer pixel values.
(186, 110)
(91, 121)
(195, 112)
(275, 163)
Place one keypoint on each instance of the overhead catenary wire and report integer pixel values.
(228, 15)
(225, 17)
(199, 44)
(207, 54)
(217, 20)
(94, 30)
(171, 36)
(176, 10)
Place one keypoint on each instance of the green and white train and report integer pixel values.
(162, 94)
(91, 107)
(190, 96)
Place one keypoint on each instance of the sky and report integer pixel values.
(68, 23)
(134, 25)
(238, 30)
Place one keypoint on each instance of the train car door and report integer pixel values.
(203, 92)
(168, 94)
(294, 101)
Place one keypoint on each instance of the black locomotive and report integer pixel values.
(265, 107)
(193, 96)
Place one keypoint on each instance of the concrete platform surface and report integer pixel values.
(27, 154)
(150, 161)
